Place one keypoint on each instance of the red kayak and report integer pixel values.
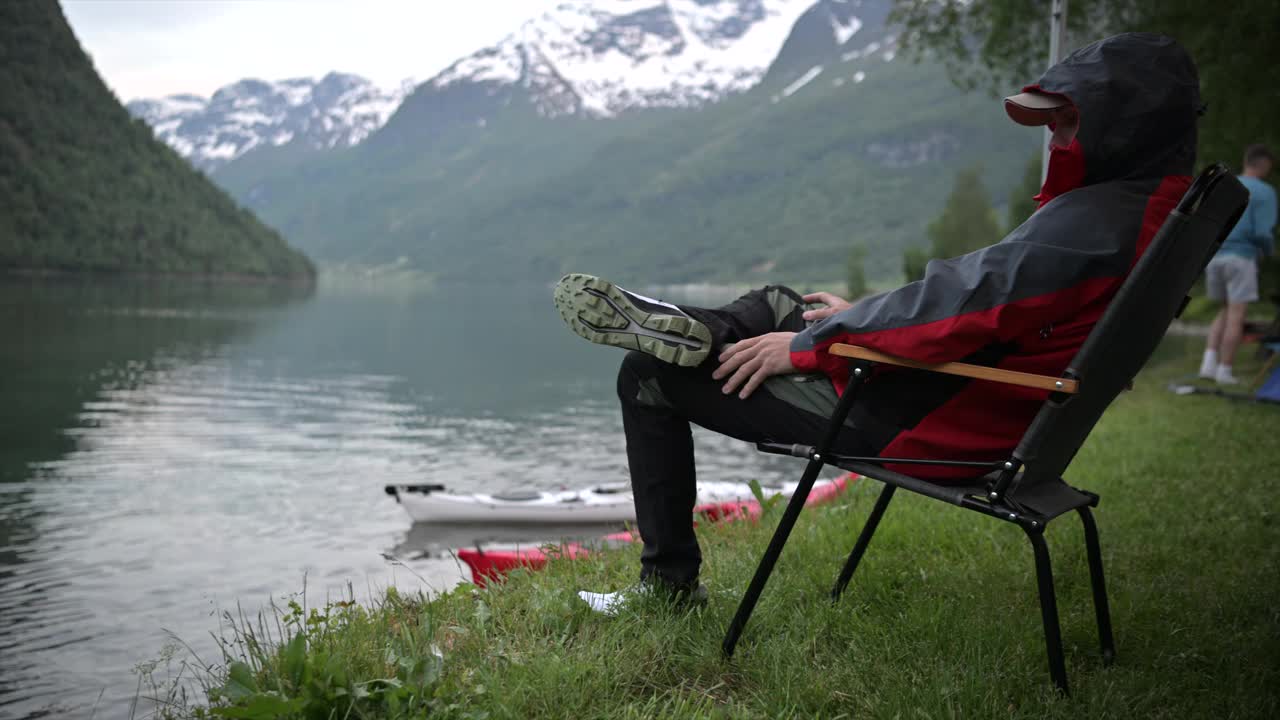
(489, 565)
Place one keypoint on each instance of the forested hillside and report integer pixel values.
(842, 144)
(85, 187)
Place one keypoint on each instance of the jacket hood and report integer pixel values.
(1139, 96)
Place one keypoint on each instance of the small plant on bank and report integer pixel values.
(342, 660)
(308, 675)
(767, 504)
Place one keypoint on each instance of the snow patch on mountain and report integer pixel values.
(337, 110)
(602, 58)
(844, 31)
(801, 81)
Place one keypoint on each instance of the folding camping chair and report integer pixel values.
(1027, 489)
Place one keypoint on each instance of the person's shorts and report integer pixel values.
(1232, 279)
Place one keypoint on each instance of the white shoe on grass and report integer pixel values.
(610, 604)
(1209, 365)
(1224, 377)
(605, 603)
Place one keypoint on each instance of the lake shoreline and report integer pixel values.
(112, 275)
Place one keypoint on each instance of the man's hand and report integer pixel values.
(753, 361)
(834, 304)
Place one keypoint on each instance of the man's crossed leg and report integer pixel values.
(666, 383)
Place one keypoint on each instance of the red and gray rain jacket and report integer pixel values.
(1028, 302)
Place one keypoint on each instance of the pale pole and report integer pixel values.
(1057, 40)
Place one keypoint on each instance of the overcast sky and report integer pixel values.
(150, 48)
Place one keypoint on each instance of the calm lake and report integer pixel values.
(171, 449)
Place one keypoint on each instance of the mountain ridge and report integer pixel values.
(337, 110)
(629, 54)
(584, 57)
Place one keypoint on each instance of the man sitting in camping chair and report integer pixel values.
(1123, 115)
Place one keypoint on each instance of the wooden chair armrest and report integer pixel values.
(979, 372)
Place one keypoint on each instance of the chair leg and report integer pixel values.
(765, 569)
(864, 539)
(1100, 605)
(1049, 609)
(857, 374)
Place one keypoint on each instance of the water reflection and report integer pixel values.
(63, 342)
(428, 541)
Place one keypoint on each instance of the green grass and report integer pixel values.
(1202, 310)
(941, 620)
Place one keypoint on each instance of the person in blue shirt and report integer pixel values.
(1232, 275)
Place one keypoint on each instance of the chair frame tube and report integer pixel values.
(1101, 607)
(1048, 608)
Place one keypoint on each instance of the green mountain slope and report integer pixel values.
(84, 187)
(757, 187)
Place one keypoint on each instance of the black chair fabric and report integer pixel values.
(1047, 499)
(1134, 323)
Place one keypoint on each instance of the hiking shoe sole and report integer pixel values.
(606, 314)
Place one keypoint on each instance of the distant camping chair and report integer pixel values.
(1027, 488)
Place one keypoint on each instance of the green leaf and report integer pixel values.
(766, 503)
(262, 706)
(420, 673)
(294, 656)
(335, 671)
(240, 682)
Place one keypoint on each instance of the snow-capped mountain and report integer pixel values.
(337, 110)
(596, 58)
(602, 57)
(605, 58)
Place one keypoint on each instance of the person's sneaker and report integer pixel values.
(606, 314)
(611, 603)
(1208, 371)
(1224, 376)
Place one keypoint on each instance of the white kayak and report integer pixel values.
(602, 504)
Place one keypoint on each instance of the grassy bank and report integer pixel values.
(941, 621)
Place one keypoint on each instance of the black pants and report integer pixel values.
(659, 400)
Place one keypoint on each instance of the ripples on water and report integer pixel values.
(201, 469)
